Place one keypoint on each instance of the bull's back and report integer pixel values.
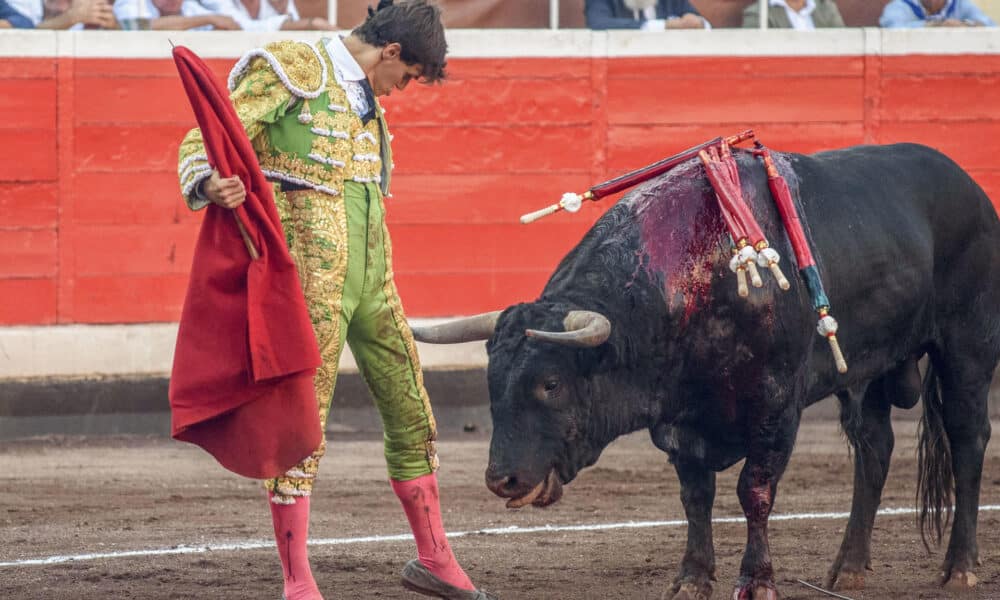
(906, 183)
(902, 236)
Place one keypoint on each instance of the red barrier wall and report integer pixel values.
(94, 231)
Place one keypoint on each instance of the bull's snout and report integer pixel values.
(505, 484)
(521, 490)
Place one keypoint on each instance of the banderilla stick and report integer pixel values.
(254, 254)
(821, 590)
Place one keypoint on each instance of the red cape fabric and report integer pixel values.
(242, 380)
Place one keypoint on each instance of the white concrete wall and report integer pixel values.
(148, 349)
(470, 43)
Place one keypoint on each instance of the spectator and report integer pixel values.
(647, 15)
(66, 14)
(263, 15)
(10, 17)
(933, 13)
(169, 14)
(804, 15)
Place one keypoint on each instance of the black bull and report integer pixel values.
(640, 327)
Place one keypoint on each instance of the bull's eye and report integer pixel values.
(551, 384)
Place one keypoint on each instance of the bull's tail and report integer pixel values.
(934, 475)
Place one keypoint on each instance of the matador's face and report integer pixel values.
(391, 72)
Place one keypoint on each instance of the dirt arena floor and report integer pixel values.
(106, 496)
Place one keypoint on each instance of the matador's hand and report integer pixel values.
(227, 193)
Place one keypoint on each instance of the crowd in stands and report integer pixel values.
(658, 15)
(644, 15)
(248, 15)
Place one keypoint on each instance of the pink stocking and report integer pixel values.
(291, 531)
(423, 510)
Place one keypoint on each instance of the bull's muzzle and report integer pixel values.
(522, 491)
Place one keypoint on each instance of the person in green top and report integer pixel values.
(803, 15)
(312, 115)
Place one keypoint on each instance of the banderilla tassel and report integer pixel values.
(768, 258)
(827, 327)
(739, 267)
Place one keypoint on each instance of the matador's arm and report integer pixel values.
(263, 84)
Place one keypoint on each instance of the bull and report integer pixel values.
(640, 327)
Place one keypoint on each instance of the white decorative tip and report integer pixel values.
(768, 257)
(734, 263)
(747, 254)
(305, 118)
(571, 202)
(827, 326)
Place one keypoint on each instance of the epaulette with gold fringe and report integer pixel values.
(298, 64)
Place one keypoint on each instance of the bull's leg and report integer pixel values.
(694, 582)
(869, 429)
(966, 420)
(769, 451)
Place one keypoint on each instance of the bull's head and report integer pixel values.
(541, 357)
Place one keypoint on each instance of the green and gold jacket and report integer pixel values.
(300, 123)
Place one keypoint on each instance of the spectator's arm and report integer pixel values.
(688, 21)
(898, 15)
(90, 12)
(971, 12)
(62, 21)
(600, 16)
(180, 22)
(687, 13)
(310, 24)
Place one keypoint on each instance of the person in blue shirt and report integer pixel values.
(11, 18)
(646, 15)
(66, 14)
(933, 13)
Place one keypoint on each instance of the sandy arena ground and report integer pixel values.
(106, 496)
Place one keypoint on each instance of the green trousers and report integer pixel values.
(359, 293)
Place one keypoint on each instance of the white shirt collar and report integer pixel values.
(349, 68)
(808, 9)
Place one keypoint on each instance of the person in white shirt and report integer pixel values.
(263, 15)
(170, 14)
(804, 15)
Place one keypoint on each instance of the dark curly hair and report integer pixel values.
(416, 26)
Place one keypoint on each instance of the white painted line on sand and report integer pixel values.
(514, 529)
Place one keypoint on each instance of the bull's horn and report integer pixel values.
(584, 329)
(469, 329)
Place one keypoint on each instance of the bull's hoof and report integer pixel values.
(961, 581)
(689, 591)
(756, 590)
(848, 580)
